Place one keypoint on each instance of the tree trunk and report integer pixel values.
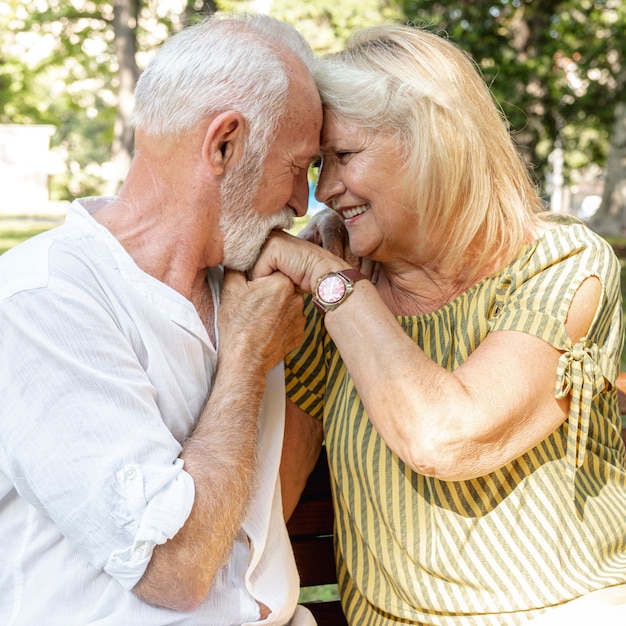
(125, 14)
(610, 220)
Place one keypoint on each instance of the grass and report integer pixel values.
(321, 593)
(14, 230)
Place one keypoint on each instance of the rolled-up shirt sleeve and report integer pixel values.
(93, 421)
(157, 520)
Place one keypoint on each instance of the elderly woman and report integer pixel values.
(467, 397)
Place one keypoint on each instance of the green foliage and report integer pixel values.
(553, 65)
(326, 24)
(321, 593)
(58, 66)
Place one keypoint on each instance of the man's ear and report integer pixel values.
(224, 141)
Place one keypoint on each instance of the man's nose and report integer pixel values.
(300, 198)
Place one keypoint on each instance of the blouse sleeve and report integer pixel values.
(535, 298)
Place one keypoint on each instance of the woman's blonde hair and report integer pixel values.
(464, 176)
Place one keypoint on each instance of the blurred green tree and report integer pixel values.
(73, 64)
(555, 66)
(557, 69)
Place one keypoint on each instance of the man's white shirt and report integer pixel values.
(108, 370)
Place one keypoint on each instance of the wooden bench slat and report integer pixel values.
(327, 613)
(314, 513)
(314, 517)
(315, 560)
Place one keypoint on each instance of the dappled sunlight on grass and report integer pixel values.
(14, 230)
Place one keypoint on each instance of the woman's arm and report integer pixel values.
(301, 448)
(463, 424)
(452, 425)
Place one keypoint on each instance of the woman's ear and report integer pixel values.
(224, 141)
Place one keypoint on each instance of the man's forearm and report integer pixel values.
(220, 455)
(221, 458)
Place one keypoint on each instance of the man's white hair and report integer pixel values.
(226, 62)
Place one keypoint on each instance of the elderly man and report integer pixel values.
(142, 410)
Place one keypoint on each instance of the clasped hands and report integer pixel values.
(321, 247)
(261, 314)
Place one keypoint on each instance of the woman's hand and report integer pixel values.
(302, 261)
(326, 229)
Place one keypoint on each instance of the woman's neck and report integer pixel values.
(419, 290)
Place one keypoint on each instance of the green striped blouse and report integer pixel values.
(498, 549)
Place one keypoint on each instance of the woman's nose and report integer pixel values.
(328, 186)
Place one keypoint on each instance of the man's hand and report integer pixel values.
(259, 321)
(261, 318)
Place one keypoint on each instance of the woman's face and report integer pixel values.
(361, 179)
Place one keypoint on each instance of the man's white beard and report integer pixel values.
(243, 230)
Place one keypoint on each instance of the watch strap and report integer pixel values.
(352, 275)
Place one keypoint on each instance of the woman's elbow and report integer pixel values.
(447, 459)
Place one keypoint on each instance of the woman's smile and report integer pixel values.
(352, 212)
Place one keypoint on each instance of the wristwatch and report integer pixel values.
(334, 288)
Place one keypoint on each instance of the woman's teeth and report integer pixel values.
(348, 213)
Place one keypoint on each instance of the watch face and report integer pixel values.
(331, 289)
